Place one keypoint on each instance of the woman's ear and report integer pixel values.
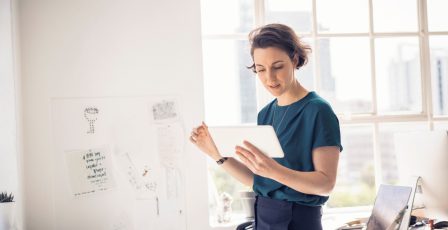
(295, 60)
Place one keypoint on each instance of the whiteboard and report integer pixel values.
(118, 163)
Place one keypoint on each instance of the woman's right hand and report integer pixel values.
(201, 137)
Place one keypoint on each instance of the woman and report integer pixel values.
(290, 190)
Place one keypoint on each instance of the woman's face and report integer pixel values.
(274, 69)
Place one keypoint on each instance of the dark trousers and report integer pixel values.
(273, 214)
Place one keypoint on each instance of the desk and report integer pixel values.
(421, 215)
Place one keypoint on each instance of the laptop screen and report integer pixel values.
(390, 204)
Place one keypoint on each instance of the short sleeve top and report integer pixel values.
(301, 127)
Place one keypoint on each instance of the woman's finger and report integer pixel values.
(246, 161)
(256, 152)
(195, 130)
(249, 145)
(249, 155)
(192, 140)
(205, 129)
(202, 132)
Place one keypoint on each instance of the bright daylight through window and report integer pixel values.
(382, 65)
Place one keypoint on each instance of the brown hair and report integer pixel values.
(279, 36)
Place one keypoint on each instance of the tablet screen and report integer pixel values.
(261, 136)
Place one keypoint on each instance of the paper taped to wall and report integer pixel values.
(89, 171)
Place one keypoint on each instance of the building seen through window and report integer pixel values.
(348, 67)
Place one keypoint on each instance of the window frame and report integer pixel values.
(373, 118)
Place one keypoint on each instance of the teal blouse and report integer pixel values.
(302, 126)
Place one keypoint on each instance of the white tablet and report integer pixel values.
(261, 136)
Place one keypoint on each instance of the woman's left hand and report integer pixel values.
(257, 161)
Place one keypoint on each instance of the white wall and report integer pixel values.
(87, 48)
(9, 154)
(8, 166)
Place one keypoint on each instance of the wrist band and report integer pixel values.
(220, 161)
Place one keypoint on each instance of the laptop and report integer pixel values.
(390, 206)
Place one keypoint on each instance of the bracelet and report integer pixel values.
(221, 161)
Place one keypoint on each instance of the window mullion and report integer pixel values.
(376, 145)
(441, 118)
(372, 60)
(437, 32)
(369, 119)
(377, 156)
(425, 62)
(263, 96)
(316, 69)
(259, 13)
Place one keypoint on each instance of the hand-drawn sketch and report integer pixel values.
(170, 143)
(122, 222)
(130, 171)
(148, 179)
(164, 111)
(91, 115)
(144, 184)
(172, 182)
(89, 171)
(146, 137)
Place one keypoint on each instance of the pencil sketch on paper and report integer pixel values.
(148, 179)
(172, 181)
(115, 148)
(91, 115)
(122, 221)
(164, 110)
(170, 143)
(144, 184)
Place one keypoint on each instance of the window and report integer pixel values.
(438, 46)
(356, 179)
(230, 88)
(383, 66)
(344, 67)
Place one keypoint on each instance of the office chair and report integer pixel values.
(249, 225)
